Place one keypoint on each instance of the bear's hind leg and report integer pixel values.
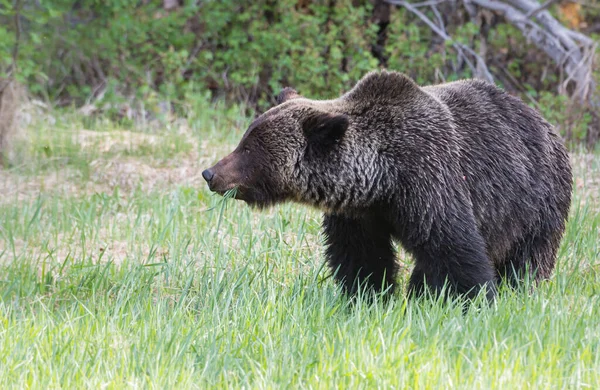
(360, 253)
(532, 258)
(457, 261)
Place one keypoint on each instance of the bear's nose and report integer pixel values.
(208, 174)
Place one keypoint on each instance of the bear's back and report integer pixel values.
(510, 157)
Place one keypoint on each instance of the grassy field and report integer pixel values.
(119, 269)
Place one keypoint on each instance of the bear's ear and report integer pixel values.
(325, 129)
(287, 94)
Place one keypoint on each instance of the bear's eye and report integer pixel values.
(246, 150)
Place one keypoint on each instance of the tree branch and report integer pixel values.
(542, 7)
(460, 48)
(430, 3)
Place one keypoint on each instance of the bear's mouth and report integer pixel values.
(235, 192)
(251, 198)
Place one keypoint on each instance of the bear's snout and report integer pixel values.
(225, 174)
(208, 174)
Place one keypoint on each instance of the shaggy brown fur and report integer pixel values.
(470, 180)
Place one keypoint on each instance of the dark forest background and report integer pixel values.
(127, 58)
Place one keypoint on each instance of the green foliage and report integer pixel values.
(246, 49)
(406, 49)
(571, 121)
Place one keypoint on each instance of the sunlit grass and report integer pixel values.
(176, 287)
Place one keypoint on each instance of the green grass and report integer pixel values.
(169, 286)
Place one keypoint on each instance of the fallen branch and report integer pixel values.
(571, 50)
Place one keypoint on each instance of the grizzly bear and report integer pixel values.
(467, 178)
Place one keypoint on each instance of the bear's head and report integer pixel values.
(322, 153)
(272, 162)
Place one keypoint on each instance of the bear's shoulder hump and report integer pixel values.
(383, 86)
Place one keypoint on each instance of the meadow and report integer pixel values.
(119, 269)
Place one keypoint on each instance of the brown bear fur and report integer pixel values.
(470, 180)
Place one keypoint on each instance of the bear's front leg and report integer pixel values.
(456, 258)
(360, 252)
